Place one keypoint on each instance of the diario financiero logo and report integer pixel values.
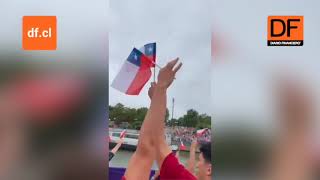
(39, 33)
(285, 30)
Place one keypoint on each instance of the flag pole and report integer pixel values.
(156, 65)
(154, 69)
(154, 74)
(172, 109)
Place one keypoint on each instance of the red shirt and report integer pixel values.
(172, 169)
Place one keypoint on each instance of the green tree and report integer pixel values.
(204, 121)
(139, 117)
(190, 119)
(116, 113)
(135, 116)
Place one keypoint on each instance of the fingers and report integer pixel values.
(177, 68)
(172, 63)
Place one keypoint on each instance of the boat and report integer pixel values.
(130, 139)
(130, 144)
(117, 173)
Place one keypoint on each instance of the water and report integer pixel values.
(122, 157)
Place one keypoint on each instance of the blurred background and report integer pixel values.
(53, 104)
(246, 73)
(178, 31)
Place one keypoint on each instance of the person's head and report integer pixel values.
(204, 165)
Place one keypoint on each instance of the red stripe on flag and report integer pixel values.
(142, 77)
(151, 61)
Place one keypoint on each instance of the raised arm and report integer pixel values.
(192, 159)
(157, 109)
(152, 144)
(117, 147)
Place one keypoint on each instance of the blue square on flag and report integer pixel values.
(150, 49)
(135, 57)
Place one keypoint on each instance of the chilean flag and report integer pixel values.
(201, 132)
(134, 73)
(150, 50)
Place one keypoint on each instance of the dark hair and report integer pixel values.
(205, 149)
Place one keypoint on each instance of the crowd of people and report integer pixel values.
(206, 136)
(289, 157)
(152, 145)
(184, 134)
(187, 134)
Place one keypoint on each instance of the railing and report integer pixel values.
(117, 173)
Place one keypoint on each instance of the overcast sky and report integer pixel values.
(82, 30)
(240, 83)
(180, 29)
